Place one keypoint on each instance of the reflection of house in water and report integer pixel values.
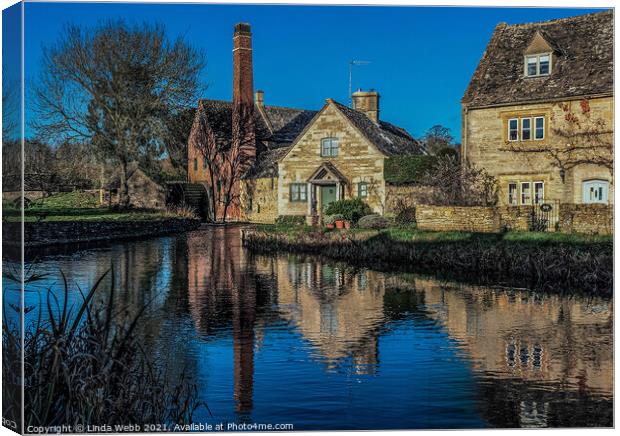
(533, 337)
(522, 346)
(339, 311)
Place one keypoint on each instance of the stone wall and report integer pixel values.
(259, 198)
(453, 218)
(586, 218)
(70, 232)
(573, 218)
(515, 218)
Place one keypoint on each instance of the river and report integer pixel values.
(321, 345)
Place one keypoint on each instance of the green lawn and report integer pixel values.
(76, 206)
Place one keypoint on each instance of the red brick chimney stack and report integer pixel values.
(243, 82)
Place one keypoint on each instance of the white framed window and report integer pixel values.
(538, 65)
(544, 64)
(526, 193)
(539, 192)
(513, 129)
(513, 195)
(329, 147)
(362, 189)
(595, 191)
(532, 65)
(539, 124)
(526, 129)
(299, 192)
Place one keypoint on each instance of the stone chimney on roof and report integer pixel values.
(243, 82)
(259, 98)
(367, 102)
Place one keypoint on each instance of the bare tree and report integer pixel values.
(10, 110)
(457, 184)
(202, 138)
(76, 165)
(437, 138)
(239, 158)
(176, 141)
(118, 88)
(581, 140)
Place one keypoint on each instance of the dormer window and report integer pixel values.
(538, 65)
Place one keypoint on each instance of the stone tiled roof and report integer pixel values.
(273, 135)
(582, 62)
(388, 138)
(266, 164)
(277, 128)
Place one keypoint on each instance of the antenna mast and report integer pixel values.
(351, 63)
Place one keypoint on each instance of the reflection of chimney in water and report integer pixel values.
(244, 317)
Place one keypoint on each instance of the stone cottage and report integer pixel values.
(538, 112)
(302, 160)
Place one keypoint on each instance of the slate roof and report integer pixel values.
(582, 61)
(281, 128)
(388, 138)
(276, 133)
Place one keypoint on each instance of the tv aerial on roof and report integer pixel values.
(351, 64)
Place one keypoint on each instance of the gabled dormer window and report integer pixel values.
(538, 65)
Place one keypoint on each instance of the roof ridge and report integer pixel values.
(271, 106)
(561, 20)
(289, 108)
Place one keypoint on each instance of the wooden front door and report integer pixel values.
(328, 195)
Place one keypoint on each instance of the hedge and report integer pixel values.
(405, 169)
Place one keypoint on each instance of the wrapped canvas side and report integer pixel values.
(12, 219)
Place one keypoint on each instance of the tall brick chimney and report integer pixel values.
(243, 82)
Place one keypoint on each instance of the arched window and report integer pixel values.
(595, 191)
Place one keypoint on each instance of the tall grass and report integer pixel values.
(564, 266)
(84, 365)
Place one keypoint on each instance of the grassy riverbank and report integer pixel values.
(548, 261)
(79, 206)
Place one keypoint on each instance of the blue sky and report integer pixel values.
(421, 57)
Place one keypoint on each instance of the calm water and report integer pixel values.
(321, 345)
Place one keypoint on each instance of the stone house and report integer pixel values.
(538, 111)
(301, 160)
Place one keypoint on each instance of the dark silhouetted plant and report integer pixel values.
(86, 365)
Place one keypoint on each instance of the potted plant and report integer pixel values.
(340, 223)
(330, 220)
(347, 224)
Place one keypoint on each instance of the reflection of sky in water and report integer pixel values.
(323, 346)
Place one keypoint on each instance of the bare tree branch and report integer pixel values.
(118, 88)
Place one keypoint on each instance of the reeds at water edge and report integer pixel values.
(85, 365)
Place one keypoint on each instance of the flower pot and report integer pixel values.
(329, 226)
(340, 224)
(347, 225)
